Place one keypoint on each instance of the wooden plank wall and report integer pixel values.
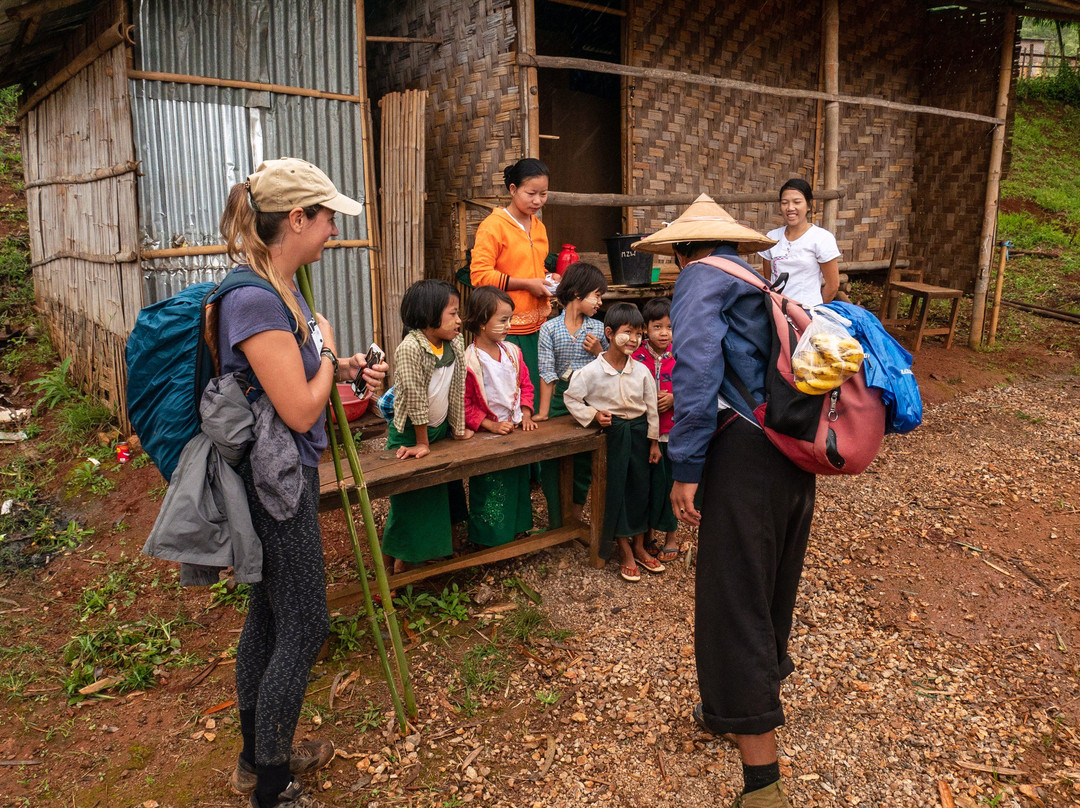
(473, 119)
(89, 306)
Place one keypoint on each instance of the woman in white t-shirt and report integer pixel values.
(806, 252)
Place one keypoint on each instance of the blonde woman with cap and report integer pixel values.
(275, 222)
(756, 505)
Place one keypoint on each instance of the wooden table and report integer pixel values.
(450, 460)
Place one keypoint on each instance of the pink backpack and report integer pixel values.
(839, 432)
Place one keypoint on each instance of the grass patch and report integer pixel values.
(125, 652)
(104, 594)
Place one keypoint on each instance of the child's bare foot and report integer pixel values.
(643, 558)
(401, 566)
(578, 511)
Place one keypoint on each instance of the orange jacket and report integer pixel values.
(503, 250)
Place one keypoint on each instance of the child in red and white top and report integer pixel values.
(498, 399)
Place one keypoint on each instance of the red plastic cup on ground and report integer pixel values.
(123, 452)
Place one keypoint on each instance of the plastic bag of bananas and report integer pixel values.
(826, 354)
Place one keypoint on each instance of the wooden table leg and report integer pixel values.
(924, 310)
(566, 490)
(599, 500)
(952, 321)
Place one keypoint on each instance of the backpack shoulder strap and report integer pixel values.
(740, 272)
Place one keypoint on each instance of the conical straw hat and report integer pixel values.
(704, 221)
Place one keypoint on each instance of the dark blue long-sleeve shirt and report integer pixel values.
(721, 327)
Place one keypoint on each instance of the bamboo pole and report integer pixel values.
(530, 102)
(109, 39)
(591, 65)
(354, 540)
(98, 174)
(1042, 311)
(643, 200)
(999, 286)
(221, 249)
(303, 279)
(830, 39)
(236, 84)
(993, 183)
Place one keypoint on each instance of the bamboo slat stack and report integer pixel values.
(402, 146)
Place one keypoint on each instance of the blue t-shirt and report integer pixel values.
(250, 310)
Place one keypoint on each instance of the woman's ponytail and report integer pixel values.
(246, 234)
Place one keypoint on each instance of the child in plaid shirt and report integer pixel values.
(429, 402)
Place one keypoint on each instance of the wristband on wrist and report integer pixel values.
(333, 359)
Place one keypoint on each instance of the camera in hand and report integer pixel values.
(374, 356)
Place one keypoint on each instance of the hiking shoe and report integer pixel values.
(699, 718)
(292, 797)
(305, 757)
(772, 796)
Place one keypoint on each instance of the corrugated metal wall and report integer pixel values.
(195, 141)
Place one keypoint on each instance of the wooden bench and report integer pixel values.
(450, 460)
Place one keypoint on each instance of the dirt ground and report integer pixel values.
(936, 644)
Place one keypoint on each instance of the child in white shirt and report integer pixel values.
(619, 394)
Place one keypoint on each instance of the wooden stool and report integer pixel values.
(921, 295)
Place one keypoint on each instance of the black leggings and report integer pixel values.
(287, 621)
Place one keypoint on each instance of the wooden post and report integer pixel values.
(830, 42)
(993, 183)
(371, 215)
(999, 286)
(530, 101)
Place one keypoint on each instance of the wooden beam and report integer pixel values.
(830, 44)
(29, 10)
(530, 100)
(993, 184)
(658, 74)
(642, 200)
(109, 39)
(211, 81)
(90, 176)
(618, 12)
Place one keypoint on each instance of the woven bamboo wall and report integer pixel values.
(89, 305)
(688, 138)
(473, 119)
(961, 52)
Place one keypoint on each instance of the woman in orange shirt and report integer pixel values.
(509, 252)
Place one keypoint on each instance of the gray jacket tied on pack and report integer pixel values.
(204, 522)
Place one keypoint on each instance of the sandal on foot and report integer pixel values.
(652, 547)
(631, 574)
(651, 564)
(666, 555)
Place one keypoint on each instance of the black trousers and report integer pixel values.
(755, 520)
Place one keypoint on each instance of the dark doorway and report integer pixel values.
(580, 115)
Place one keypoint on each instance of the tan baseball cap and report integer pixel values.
(281, 185)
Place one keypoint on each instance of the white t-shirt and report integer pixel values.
(801, 259)
(438, 393)
(501, 385)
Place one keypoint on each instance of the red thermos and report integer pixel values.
(567, 257)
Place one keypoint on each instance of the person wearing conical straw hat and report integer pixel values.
(755, 504)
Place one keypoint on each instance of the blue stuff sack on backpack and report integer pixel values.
(887, 366)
